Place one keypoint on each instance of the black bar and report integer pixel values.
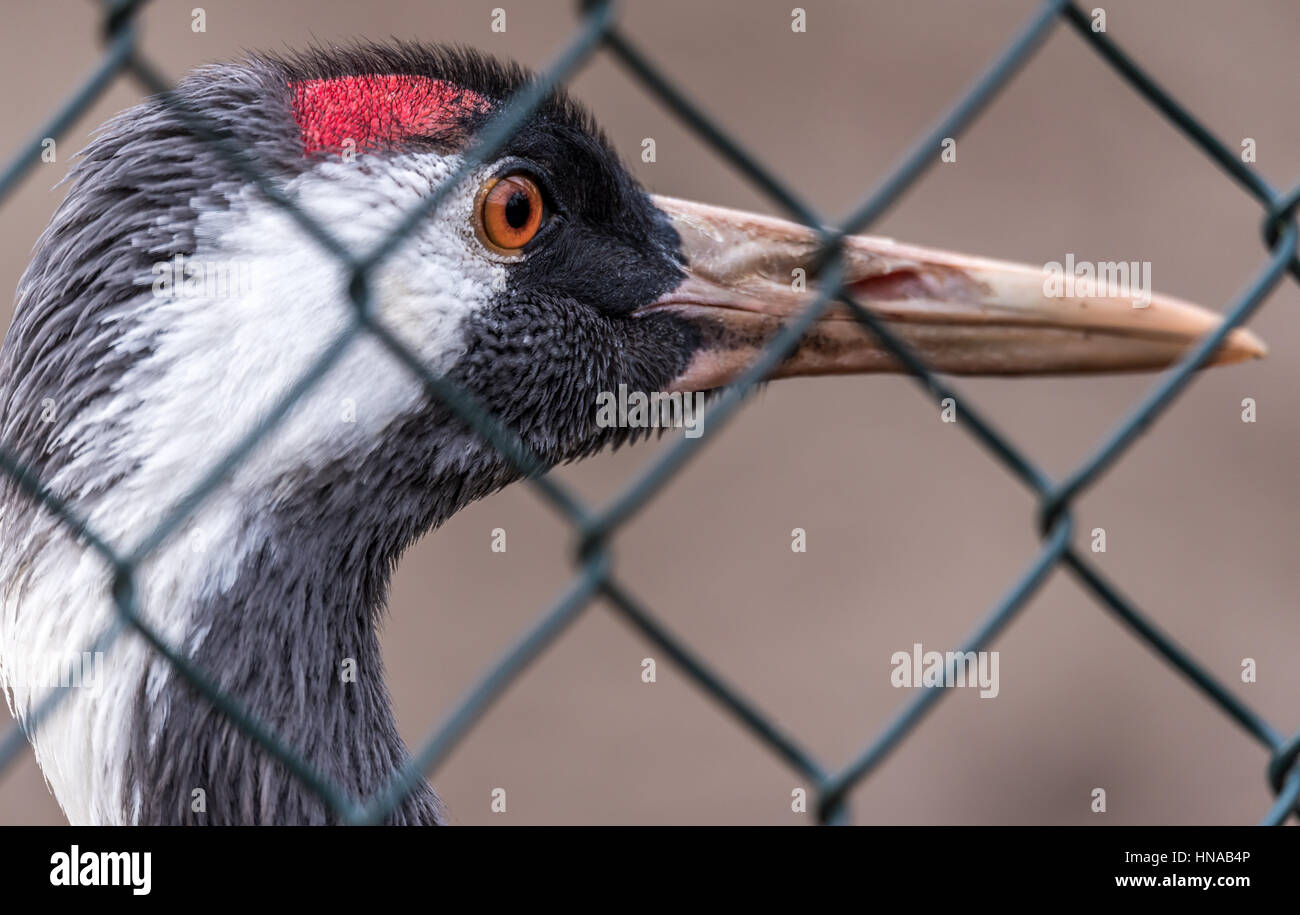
(990, 864)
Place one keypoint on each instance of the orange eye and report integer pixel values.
(509, 212)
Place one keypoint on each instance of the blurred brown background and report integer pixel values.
(913, 530)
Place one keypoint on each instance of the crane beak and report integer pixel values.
(961, 314)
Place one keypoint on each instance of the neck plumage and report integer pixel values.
(276, 602)
(293, 638)
(293, 642)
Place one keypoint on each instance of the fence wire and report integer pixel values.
(597, 30)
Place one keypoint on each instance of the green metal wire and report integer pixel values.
(595, 529)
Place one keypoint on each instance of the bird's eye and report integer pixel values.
(509, 213)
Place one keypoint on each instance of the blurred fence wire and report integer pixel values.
(598, 29)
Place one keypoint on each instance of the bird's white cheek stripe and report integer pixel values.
(266, 301)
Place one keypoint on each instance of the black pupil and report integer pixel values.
(518, 209)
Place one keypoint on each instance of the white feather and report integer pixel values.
(219, 364)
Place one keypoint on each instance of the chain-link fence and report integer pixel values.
(598, 29)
